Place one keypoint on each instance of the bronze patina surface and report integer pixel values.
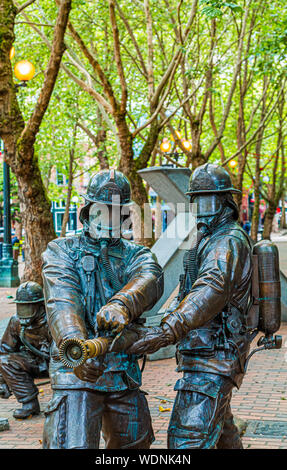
(96, 286)
(24, 350)
(208, 319)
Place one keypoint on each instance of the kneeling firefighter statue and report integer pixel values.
(24, 350)
(228, 293)
(97, 284)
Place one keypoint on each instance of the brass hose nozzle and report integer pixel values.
(74, 352)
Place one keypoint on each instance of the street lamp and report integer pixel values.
(75, 200)
(12, 52)
(187, 144)
(9, 277)
(232, 164)
(24, 71)
(165, 146)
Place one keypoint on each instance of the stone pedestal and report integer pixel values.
(170, 183)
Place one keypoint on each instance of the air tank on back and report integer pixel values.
(269, 286)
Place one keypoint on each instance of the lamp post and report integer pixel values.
(75, 201)
(9, 267)
(9, 276)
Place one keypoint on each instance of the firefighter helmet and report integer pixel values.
(210, 178)
(108, 186)
(28, 293)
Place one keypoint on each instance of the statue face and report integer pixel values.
(27, 312)
(104, 221)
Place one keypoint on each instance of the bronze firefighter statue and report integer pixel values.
(215, 316)
(96, 285)
(24, 350)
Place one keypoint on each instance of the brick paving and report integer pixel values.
(262, 397)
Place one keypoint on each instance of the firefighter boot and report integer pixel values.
(30, 408)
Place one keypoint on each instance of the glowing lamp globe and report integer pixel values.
(75, 199)
(187, 144)
(24, 70)
(178, 135)
(232, 163)
(12, 52)
(165, 146)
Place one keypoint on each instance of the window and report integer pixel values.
(60, 178)
(59, 221)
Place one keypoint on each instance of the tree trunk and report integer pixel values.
(255, 217)
(37, 220)
(142, 224)
(255, 214)
(129, 166)
(268, 221)
(18, 229)
(19, 139)
(99, 139)
(283, 215)
(197, 159)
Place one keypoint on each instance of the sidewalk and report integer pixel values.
(262, 401)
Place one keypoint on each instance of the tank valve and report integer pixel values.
(270, 342)
(265, 342)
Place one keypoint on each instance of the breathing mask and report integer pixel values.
(104, 221)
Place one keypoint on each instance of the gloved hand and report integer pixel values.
(113, 317)
(91, 370)
(154, 339)
(4, 390)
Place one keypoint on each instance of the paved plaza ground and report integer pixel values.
(261, 400)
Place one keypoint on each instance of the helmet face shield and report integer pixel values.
(26, 313)
(104, 221)
(207, 205)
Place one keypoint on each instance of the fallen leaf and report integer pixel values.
(40, 440)
(162, 409)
